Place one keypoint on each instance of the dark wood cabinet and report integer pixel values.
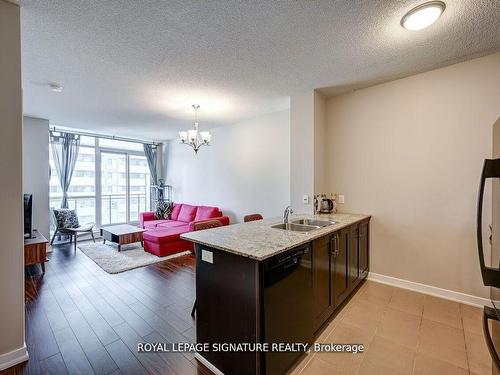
(340, 263)
(340, 266)
(354, 274)
(322, 297)
(363, 248)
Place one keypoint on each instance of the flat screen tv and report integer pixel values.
(28, 215)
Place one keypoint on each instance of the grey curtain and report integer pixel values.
(65, 148)
(152, 156)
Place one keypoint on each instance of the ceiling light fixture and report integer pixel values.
(423, 16)
(194, 138)
(54, 87)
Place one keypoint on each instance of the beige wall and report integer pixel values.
(410, 153)
(11, 229)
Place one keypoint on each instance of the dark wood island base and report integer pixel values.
(233, 300)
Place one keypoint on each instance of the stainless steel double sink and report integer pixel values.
(304, 225)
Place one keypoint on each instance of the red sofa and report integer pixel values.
(162, 237)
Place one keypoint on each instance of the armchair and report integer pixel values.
(67, 224)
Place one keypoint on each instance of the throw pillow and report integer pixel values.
(163, 211)
(66, 218)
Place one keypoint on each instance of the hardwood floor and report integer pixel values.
(82, 320)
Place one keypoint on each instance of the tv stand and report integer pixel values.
(35, 250)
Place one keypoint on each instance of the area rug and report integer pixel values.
(113, 261)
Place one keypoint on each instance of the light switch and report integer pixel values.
(305, 199)
(341, 199)
(207, 256)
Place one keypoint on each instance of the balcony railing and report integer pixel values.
(113, 207)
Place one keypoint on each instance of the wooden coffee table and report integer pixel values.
(122, 234)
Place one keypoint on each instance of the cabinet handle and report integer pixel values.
(335, 246)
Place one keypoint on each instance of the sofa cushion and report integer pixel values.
(175, 211)
(206, 212)
(151, 224)
(170, 224)
(187, 213)
(165, 235)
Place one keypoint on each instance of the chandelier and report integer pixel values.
(194, 138)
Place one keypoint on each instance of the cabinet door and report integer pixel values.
(353, 256)
(363, 250)
(340, 274)
(323, 304)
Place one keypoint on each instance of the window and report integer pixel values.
(125, 182)
(81, 193)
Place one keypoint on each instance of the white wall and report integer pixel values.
(245, 170)
(302, 151)
(320, 145)
(36, 170)
(12, 349)
(308, 149)
(410, 153)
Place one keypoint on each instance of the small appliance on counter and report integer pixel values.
(324, 205)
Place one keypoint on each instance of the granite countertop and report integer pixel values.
(257, 240)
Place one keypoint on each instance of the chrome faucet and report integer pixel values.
(288, 211)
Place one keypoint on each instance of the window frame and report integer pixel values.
(98, 181)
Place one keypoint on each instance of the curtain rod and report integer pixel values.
(113, 137)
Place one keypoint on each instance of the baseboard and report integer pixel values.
(430, 290)
(13, 358)
(207, 364)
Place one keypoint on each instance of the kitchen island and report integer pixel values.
(259, 284)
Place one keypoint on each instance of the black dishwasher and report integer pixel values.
(286, 305)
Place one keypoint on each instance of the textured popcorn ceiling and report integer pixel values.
(133, 68)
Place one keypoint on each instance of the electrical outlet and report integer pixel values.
(305, 199)
(341, 199)
(207, 256)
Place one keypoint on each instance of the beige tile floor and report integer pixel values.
(403, 332)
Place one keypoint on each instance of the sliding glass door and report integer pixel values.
(113, 188)
(110, 185)
(125, 187)
(139, 186)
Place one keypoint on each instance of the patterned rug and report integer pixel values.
(131, 256)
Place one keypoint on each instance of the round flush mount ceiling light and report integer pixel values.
(55, 87)
(423, 16)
